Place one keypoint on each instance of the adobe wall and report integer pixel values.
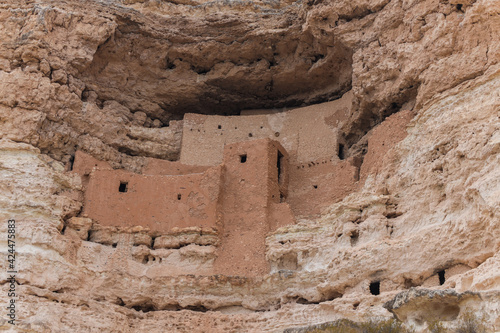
(155, 166)
(166, 195)
(85, 163)
(243, 199)
(317, 185)
(238, 191)
(156, 202)
(251, 193)
(307, 133)
(382, 138)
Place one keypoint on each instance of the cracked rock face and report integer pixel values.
(144, 63)
(114, 78)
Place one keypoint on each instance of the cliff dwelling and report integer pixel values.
(241, 177)
(249, 166)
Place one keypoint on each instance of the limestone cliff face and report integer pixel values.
(113, 78)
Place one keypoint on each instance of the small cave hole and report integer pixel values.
(375, 288)
(442, 278)
(341, 151)
(197, 308)
(277, 134)
(302, 300)
(250, 135)
(169, 65)
(393, 214)
(146, 307)
(243, 158)
(318, 57)
(354, 237)
(179, 196)
(114, 245)
(148, 259)
(282, 198)
(85, 94)
(71, 162)
(355, 305)
(219, 127)
(315, 186)
(201, 71)
(123, 187)
(459, 7)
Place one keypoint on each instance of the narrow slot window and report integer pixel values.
(341, 151)
(279, 165)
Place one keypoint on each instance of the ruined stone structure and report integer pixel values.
(243, 199)
(243, 186)
(156, 201)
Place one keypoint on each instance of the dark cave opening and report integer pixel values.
(375, 288)
(442, 278)
(197, 80)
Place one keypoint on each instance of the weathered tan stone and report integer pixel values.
(80, 226)
(208, 240)
(142, 239)
(167, 242)
(103, 236)
(74, 74)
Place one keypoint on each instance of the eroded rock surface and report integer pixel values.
(112, 78)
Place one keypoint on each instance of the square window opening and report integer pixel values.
(123, 187)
